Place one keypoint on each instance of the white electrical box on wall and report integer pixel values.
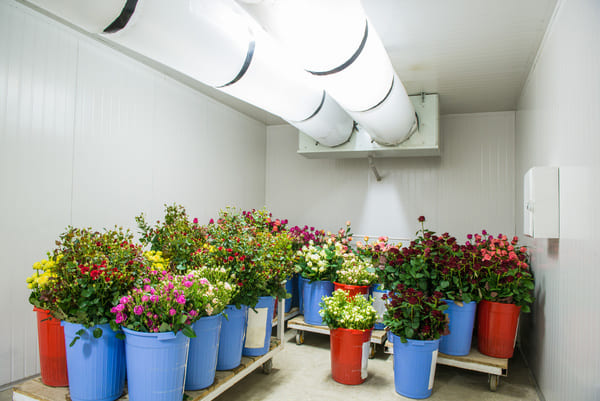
(541, 207)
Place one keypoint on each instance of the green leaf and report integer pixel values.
(529, 285)
(189, 332)
(164, 327)
(87, 292)
(74, 340)
(181, 319)
(444, 284)
(409, 333)
(120, 335)
(97, 332)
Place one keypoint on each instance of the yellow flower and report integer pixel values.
(37, 266)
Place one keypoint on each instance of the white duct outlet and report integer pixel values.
(424, 142)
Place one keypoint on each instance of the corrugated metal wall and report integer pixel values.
(469, 188)
(90, 137)
(558, 124)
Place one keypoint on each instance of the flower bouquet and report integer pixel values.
(350, 320)
(416, 322)
(506, 288)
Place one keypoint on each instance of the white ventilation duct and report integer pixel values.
(335, 42)
(212, 43)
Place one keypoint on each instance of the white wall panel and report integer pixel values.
(90, 137)
(37, 62)
(112, 165)
(469, 188)
(557, 124)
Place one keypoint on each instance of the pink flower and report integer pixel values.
(124, 300)
(172, 312)
(121, 317)
(154, 298)
(180, 299)
(196, 220)
(203, 281)
(138, 310)
(145, 298)
(187, 284)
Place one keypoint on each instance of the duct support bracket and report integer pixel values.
(422, 143)
(374, 169)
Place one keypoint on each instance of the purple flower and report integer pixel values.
(138, 309)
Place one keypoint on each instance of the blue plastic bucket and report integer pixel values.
(231, 340)
(295, 297)
(462, 318)
(96, 366)
(414, 366)
(289, 288)
(259, 327)
(204, 348)
(379, 304)
(313, 292)
(156, 364)
(301, 282)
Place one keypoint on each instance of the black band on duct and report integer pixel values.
(245, 66)
(317, 110)
(121, 21)
(382, 100)
(351, 59)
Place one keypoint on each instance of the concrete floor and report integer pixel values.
(303, 373)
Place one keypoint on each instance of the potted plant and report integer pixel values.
(159, 319)
(416, 322)
(51, 336)
(350, 320)
(91, 270)
(506, 289)
(301, 237)
(318, 264)
(378, 252)
(355, 275)
(453, 275)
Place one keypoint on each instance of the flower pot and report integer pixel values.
(51, 342)
(353, 289)
(349, 355)
(414, 366)
(259, 327)
(156, 365)
(497, 328)
(313, 292)
(295, 295)
(289, 288)
(204, 349)
(301, 283)
(96, 366)
(231, 339)
(379, 304)
(458, 342)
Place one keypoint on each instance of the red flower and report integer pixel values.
(421, 219)
(94, 274)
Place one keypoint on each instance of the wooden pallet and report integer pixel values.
(475, 361)
(35, 390)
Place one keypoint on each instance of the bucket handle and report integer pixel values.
(169, 335)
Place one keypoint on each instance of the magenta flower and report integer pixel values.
(180, 299)
(188, 284)
(154, 298)
(195, 220)
(145, 298)
(203, 281)
(124, 300)
(172, 312)
(120, 318)
(138, 310)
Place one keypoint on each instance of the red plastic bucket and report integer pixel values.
(497, 328)
(349, 355)
(51, 341)
(353, 289)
